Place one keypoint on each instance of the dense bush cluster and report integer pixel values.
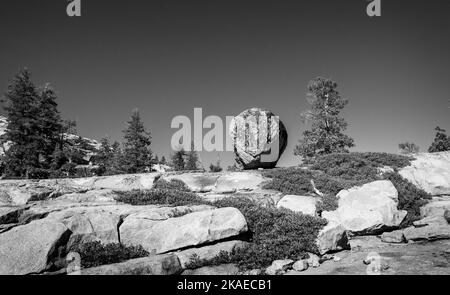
(275, 234)
(327, 203)
(95, 253)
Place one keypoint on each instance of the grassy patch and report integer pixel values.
(95, 253)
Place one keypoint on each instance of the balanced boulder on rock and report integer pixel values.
(257, 134)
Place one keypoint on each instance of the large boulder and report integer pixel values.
(256, 132)
(32, 248)
(302, 204)
(368, 209)
(188, 230)
(167, 264)
(430, 171)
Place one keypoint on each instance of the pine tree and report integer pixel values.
(50, 123)
(156, 160)
(216, 167)
(441, 141)
(163, 161)
(115, 165)
(24, 131)
(178, 163)
(191, 159)
(326, 135)
(137, 155)
(104, 156)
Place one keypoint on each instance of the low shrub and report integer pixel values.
(298, 182)
(171, 197)
(275, 234)
(327, 203)
(173, 184)
(173, 193)
(222, 258)
(358, 166)
(95, 253)
(410, 197)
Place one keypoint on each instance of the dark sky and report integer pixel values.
(167, 57)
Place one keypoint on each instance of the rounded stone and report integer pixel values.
(259, 138)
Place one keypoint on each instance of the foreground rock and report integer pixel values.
(189, 230)
(256, 133)
(222, 270)
(32, 248)
(434, 231)
(300, 265)
(301, 204)
(393, 237)
(153, 265)
(208, 252)
(430, 171)
(368, 209)
(402, 259)
(278, 267)
(332, 238)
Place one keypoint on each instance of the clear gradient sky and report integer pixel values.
(166, 57)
